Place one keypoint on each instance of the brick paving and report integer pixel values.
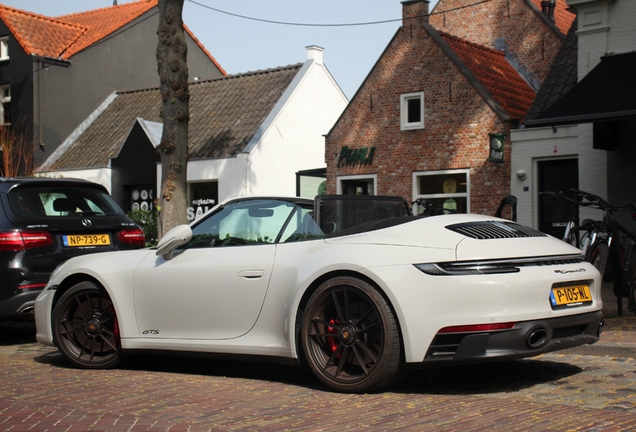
(563, 391)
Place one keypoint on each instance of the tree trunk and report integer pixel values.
(175, 112)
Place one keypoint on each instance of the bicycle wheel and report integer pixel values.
(571, 235)
(597, 254)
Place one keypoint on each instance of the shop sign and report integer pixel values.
(358, 156)
(200, 207)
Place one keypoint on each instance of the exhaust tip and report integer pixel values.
(601, 327)
(27, 309)
(537, 338)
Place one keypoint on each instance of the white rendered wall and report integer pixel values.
(295, 140)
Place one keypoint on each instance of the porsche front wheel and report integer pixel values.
(85, 327)
(350, 337)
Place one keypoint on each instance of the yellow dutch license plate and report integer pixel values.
(86, 240)
(574, 295)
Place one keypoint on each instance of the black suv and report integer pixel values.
(44, 222)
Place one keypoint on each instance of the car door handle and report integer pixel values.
(250, 274)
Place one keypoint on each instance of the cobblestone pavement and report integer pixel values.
(570, 390)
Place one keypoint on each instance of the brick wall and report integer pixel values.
(457, 124)
(533, 42)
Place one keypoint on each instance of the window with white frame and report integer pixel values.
(5, 105)
(412, 111)
(357, 185)
(448, 189)
(4, 48)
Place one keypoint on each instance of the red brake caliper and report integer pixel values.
(333, 342)
(115, 325)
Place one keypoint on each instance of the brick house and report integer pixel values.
(432, 120)
(55, 71)
(530, 32)
(581, 130)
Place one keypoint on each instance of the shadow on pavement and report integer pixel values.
(486, 378)
(15, 332)
(470, 379)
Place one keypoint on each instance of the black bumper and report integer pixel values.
(525, 339)
(19, 307)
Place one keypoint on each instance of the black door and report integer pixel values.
(357, 187)
(559, 175)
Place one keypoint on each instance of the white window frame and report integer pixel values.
(4, 100)
(418, 174)
(4, 48)
(404, 111)
(373, 177)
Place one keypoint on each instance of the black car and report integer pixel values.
(44, 222)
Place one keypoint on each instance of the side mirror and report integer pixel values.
(176, 237)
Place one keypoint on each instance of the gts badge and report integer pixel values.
(150, 332)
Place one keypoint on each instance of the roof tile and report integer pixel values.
(66, 35)
(496, 73)
(562, 16)
(224, 116)
(562, 76)
(99, 23)
(40, 35)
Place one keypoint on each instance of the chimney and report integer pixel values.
(414, 11)
(314, 53)
(547, 7)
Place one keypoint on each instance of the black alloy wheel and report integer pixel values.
(350, 337)
(85, 327)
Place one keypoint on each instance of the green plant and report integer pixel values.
(147, 220)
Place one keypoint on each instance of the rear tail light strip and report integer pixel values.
(132, 236)
(17, 241)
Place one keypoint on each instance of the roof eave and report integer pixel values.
(580, 119)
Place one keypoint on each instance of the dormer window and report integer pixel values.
(4, 48)
(412, 111)
(5, 105)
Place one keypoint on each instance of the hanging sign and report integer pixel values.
(496, 147)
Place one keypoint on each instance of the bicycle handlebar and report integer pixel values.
(588, 199)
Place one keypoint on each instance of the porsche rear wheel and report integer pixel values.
(350, 337)
(85, 327)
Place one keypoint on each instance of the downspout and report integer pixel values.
(248, 162)
(40, 81)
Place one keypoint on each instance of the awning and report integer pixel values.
(606, 93)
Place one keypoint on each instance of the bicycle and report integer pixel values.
(605, 242)
(577, 234)
(428, 208)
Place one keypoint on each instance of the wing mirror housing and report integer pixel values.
(173, 239)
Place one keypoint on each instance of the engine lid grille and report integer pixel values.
(490, 230)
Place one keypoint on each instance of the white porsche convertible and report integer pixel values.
(355, 288)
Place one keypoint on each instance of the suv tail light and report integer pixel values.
(132, 236)
(16, 240)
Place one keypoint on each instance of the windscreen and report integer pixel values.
(62, 202)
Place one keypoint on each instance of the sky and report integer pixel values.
(240, 45)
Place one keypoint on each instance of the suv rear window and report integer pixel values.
(63, 202)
